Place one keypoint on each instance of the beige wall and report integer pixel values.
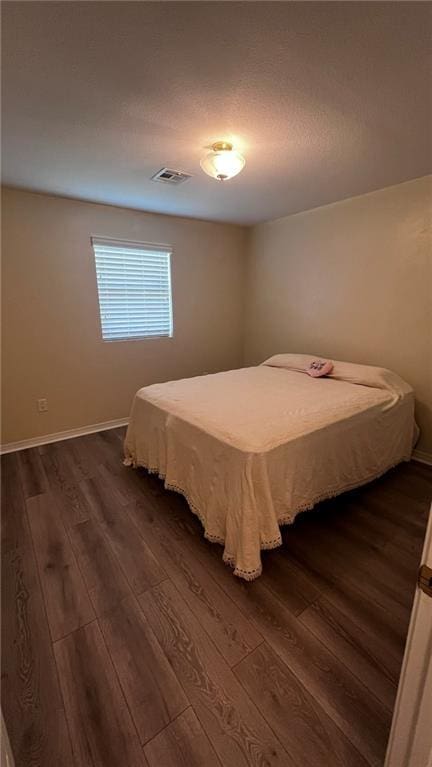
(349, 281)
(52, 344)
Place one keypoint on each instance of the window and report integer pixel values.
(134, 286)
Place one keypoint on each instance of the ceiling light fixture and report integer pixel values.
(223, 162)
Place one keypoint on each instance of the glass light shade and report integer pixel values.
(223, 162)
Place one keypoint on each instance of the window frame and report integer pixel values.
(156, 246)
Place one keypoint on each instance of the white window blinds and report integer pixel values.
(134, 285)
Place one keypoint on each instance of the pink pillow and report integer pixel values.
(319, 368)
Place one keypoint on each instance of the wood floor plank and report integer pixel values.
(182, 744)
(331, 621)
(113, 438)
(72, 453)
(62, 484)
(101, 571)
(407, 562)
(319, 562)
(101, 449)
(136, 558)
(31, 700)
(409, 548)
(371, 531)
(152, 691)
(363, 719)
(102, 731)
(372, 620)
(102, 498)
(378, 528)
(390, 513)
(412, 483)
(66, 598)
(32, 472)
(373, 566)
(85, 459)
(288, 582)
(84, 464)
(363, 602)
(373, 572)
(424, 469)
(370, 616)
(139, 564)
(15, 532)
(130, 484)
(237, 732)
(330, 567)
(386, 500)
(234, 635)
(120, 432)
(309, 735)
(356, 649)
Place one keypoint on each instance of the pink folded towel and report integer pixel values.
(319, 368)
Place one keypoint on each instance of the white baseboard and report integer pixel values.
(420, 455)
(11, 447)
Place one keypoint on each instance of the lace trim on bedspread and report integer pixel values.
(288, 519)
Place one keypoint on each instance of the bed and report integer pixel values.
(252, 448)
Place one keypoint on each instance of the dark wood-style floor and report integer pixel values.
(127, 641)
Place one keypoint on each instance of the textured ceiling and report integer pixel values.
(326, 100)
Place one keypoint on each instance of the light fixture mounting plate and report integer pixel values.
(221, 146)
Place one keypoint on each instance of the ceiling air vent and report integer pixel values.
(168, 176)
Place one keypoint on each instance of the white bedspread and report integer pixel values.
(251, 448)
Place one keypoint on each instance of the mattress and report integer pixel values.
(251, 448)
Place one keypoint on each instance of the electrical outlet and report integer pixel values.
(42, 405)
